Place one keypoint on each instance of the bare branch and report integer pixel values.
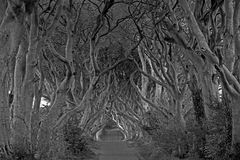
(226, 85)
(51, 28)
(164, 111)
(161, 83)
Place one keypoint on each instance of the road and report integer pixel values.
(111, 147)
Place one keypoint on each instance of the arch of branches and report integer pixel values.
(145, 64)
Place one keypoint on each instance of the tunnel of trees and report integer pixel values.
(167, 72)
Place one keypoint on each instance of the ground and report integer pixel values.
(112, 147)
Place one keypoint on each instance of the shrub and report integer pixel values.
(218, 144)
(165, 139)
(76, 143)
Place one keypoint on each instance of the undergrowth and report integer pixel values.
(166, 141)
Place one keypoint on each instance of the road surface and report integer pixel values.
(111, 147)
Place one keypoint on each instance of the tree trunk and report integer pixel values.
(144, 79)
(35, 121)
(47, 125)
(35, 115)
(180, 122)
(19, 127)
(209, 89)
(200, 117)
(236, 73)
(4, 88)
(229, 52)
(4, 114)
(24, 90)
(30, 75)
(4, 104)
(236, 69)
(236, 129)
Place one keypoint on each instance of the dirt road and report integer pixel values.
(111, 147)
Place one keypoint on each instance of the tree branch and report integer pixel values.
(226, 85)
(166, 113)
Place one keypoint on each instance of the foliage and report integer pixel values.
(17, 156)
(219, 133)
(165, 139)
(77, 144)
(70, 142)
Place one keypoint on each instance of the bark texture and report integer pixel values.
(200, 117)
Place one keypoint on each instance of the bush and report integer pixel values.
(165, 139)
(8, 154)
(76, 143)
(218, 144)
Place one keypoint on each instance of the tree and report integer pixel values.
(119, 59)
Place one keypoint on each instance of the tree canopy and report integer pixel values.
(166, 72)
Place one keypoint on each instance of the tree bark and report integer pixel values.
(200, 117)
(236, 128)
(35, 114)
(144, 79)
(4, 99)
(229, 52)
(4, 87)
(180, 122)
(4, 109)
(19, 126)
(46, 128)
(236, 70)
